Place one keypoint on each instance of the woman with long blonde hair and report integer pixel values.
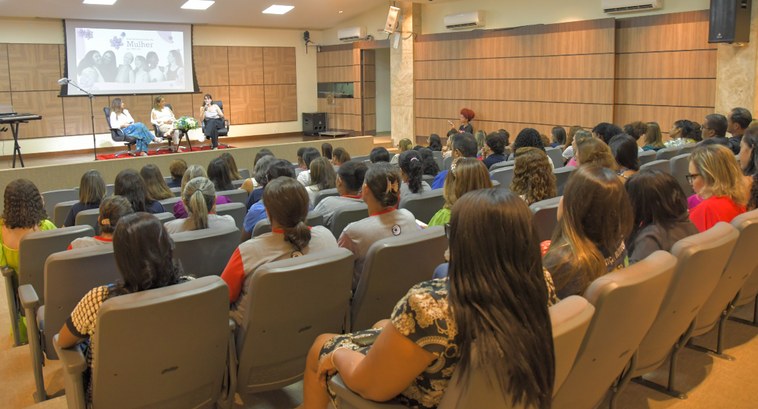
(199, 198)
(717, 179)
(653, 137)
(466, 174)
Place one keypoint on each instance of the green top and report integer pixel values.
(9, 256)
(441, 218)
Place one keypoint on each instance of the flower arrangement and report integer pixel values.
(186, 123)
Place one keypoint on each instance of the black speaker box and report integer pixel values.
(314, 122)
(730, 21)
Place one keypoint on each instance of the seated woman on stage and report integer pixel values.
(121, 119)
(213, 117)
(163, 117)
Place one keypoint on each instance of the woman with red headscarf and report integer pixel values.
(466, 117)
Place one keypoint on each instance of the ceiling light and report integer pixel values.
(340, 12)
(278, 9)
(197, 4)
(100, 2)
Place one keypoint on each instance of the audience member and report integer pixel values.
(340, 156)
(428, 164)
(418, 345)
(466, 174)
(594, 220)
(635, 129)
(558, 134)
(593, 151)
(579, 136)
(379, 154)
(435, 143)
(91, 193)
(605, 131)
(261, 167)
(257, 212)
(748, 159)
(464, 146)
(403, 146)
(253, 182)
(683, 132)
(411, 171)
(112, 209)
(218, 173)
(480, 137)
(157, 189)
(717, 181)
(131, 186)
(533, 178)
(287, 207)
(322, 177)
(381, 192)
(309, 155)
(494, 150)
(231, 166)
(327, 150)
(660, 214)
(177, 169)
(528, 137)
(199, 198)
(714, 128)
(737, 123)
(624, 149)
(193, 171)
(653, 138)
(350, 178)
(568, 151)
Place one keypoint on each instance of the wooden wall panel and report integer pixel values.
(590, 66)
(348, 106)
(281, 103)
(338, 74)
(45, 103)
(34, 67)
(688, 64)
(5, 78)
(214, 69)
(335, 58)
(247, 104)
(598, 91)
(245, 66)
(279, 65)
(181, 104)
(77, 120)
(664, 32)
(674, 92)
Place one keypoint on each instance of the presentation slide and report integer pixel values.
(112, 58)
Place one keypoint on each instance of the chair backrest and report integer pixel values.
(626, 302)
(169, 203)
(324, 194)
(545, 216)
(687, 148)
(89, 218)
(68, 276)
(310, 296)
(428, 179)
(360, 158)
(447, 162)
(749, 291)
(225, 130)
(116, 134)
(165, 216)
(244, 173)
(61, 211)
(679, 166)
(346, 215)
(437, 155)
(424, 205)
(205, 252)
(562, 176)
(235, 195)
(34, 248)
(387, 275)
(702, 258)
(504, 176)
(556, 155)
(503, 164)
(264, 226)
(176, 337)
(741, 265)
(646, 157)
(177, 191)
(662, 165)
(53, 197)
(236, 210)
(668, 153)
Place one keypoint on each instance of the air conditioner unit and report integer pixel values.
(351, 33)
(623, 6)
(462, 21)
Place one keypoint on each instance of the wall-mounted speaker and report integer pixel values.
(730, 21)
(314, 122)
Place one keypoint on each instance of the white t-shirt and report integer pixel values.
(214, 221)
(328, 205)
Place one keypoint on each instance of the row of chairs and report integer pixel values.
(504, 176)
(643, 316)
(270, 347)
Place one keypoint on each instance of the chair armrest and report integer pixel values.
(351, 400)
(232, 325)
(7, 272)
(74, 365)
(28, 297)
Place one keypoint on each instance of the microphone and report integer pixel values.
(63, 81)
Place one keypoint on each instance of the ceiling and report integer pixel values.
(307, 14)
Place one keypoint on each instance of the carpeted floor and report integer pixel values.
(710, 382)
(196, 147)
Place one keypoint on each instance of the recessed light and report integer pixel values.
(340, 12)
(197, 4)
(100, 2)
(278, 9)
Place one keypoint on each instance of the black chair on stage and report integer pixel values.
(221, 132)
(119, 136)
(169, 139)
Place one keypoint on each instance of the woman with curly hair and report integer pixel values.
(533, 178)
(466, 174)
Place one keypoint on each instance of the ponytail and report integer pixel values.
(299, 236)
(199, 196)
(286, 203)
(384, 182)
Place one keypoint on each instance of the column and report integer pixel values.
(736, 69)
(401, 74)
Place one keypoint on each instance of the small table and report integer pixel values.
(334, 134)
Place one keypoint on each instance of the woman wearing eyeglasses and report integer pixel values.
(716, 179)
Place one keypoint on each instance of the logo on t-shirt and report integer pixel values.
(296, 253)
(396, 230)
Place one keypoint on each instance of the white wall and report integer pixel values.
(373, 20)
(45, 31)
(383, 117)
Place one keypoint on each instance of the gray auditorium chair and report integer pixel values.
(89, 218)
(53, 197)
(741, 265)
(290, 303)
(503, 164)
(235, 195)
(626, 302)
(702, 258)
(688, 148)
(205, 252)
(438, 159)
(244, 173)
(570, 320)
(447, 163)
(168, 204)
(662, 165)
(324, 194)
(668, 153)
(424, 205)
(679, 166)
(346, 215)
(33, 251)
(238, 183)
(387, 274)
(361, 158)
(165, 217)
(62, 210)
(264, 226)
(69, 275)
(504, 176)
(165, 347)
(176, 190)
(236, 210)
(555, 155)
(562, 176)
(110, 189)
(646, 157)
(748, 294)
(545, 216)
(428, 179)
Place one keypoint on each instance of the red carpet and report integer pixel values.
(163, 151)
